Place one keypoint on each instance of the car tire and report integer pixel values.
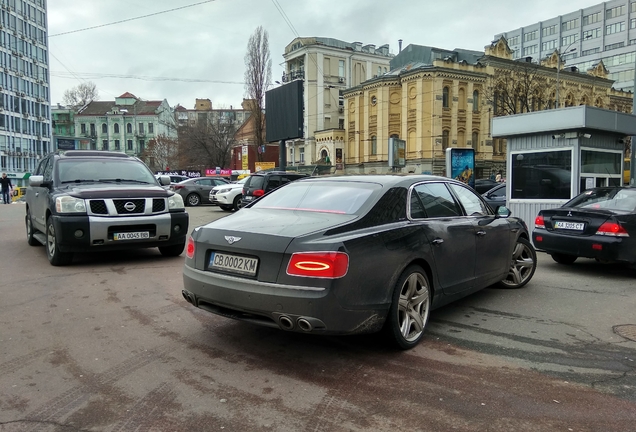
(53, 253)
(236, 204)
(563, 258)
(32, 241)
(226, 208)
(172, 251)
(410, 308)
(523, 264)
(193, 200)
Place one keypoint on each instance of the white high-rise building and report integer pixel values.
(24, 87)
(606, 31)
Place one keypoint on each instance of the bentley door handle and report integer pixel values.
(481, 233)
(438, 241)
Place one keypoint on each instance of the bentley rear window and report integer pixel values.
(323, 196)
(606, 198)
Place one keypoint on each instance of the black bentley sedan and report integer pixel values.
(598, 223)
(355, 254)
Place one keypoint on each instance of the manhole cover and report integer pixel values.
(628, 331)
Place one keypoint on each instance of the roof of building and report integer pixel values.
(101, 108)
(425, 55)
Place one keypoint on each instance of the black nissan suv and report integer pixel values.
(82, 201)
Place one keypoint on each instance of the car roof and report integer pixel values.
(383, 179)
(92, 154)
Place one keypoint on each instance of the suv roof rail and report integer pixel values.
(74, 153)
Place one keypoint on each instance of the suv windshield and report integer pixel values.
(78, 171)
(323, 196)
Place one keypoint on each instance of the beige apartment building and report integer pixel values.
(328, 67)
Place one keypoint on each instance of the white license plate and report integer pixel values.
(233, 263)
(131, 235)
(576, 226)
(248, 198)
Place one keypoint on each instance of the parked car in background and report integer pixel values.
(84, 201)
(598, 223)
(263, 182)
(496, 196)
(355, 254)
(228, 196)
(173, 179)
(484, 185)
(196, 191)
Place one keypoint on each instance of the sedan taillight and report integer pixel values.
(612, 229)
(326, 265)
(175, 187)
(539, 222)
(190, 248)
(258, 193)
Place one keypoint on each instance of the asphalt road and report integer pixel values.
(109, 344)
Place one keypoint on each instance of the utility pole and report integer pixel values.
(632, 158)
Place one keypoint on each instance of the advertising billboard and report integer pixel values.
(460, 165)
(397, 153)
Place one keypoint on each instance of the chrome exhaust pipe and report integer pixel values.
(304, 325)
(186, 296)
(286, 322)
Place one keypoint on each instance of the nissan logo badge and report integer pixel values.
(129, 206)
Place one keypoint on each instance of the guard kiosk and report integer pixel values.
(554, 155)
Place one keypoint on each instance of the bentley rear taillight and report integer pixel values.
(614, 229)
(190, 248)
(326, 265)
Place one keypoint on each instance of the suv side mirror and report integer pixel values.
(164, 180)
(36, 180)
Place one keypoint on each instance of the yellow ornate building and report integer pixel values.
(435, 99)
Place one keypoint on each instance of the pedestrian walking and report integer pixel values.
(498, 177)
(6, 185)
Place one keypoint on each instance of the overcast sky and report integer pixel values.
(160, 56)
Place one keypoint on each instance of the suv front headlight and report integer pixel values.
(175, 202)
(69, 204)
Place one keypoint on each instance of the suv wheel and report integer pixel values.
(53, 253)
(237, 202)
(193, 200)
(32, 241)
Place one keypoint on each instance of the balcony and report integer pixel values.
(293, 75)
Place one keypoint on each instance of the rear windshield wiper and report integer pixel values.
(118, 180)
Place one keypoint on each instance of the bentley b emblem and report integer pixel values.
(232, 239)
(130, 206)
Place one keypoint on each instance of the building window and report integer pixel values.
(104, 144)
(615, 28)
(151, 128)
(632, 23)
(549, 45)
(341, 68)
(83, 128)
(445, 135)
(475, 101)
(142, 146)
(570, 25)
(530, 36)
(301, 150)
(569, 40)
(116, 128)
(374, 145)
(475, 139)
(117, 145)
(632, 7)
(590, 51)
(129, 146)
(531, 171)
(593, 34)
(445, 95)
(592, 18)
(615, 12)
(614, 46)
(129, 128)
(513, 41)
(549, 31)
(530, 50)
(93, 129)
(141, 128)
(104, 128)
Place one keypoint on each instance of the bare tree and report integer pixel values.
(206, 144)
(162, 153)
(258, 78)
(519, 88)
(81, 95)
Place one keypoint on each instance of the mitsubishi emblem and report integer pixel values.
(232, 239)
(130, 206)
(569, 214)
